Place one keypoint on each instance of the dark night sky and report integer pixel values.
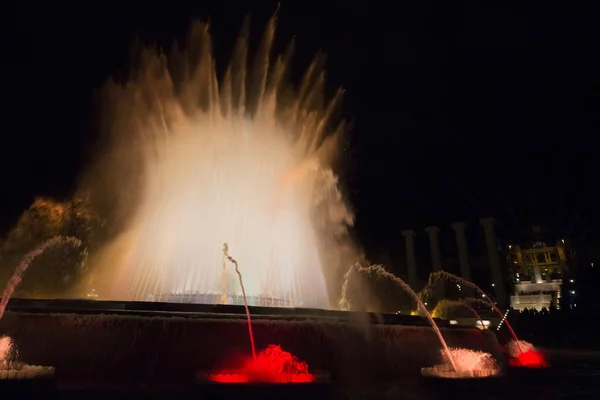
(461, 109)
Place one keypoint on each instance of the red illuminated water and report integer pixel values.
(529, 359)
(272, 365)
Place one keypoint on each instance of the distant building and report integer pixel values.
(538, 266)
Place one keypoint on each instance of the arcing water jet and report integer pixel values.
(452, 277)
(237, 271)
(244, 159)
(17, 276)
(381, 272)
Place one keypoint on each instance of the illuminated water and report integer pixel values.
(17, 276)
(457, 279)
(242, 287)
(197, 161)
(381, 272)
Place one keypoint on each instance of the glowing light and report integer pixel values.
(524, 354)
(529, 359)
(6, 346)
(207, 162)
(469, 364)
(483, 323)
(272, 365)
(453, 322)
(502, 321)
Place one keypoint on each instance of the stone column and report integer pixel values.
(434, 247)
(411, 259)
(494, 258)
(463, 252)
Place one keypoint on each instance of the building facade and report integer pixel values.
(538, 267)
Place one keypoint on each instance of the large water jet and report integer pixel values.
(244, 159)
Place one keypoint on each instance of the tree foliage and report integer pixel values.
(60, 266)
(57, 269)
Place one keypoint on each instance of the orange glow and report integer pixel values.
(201, 162)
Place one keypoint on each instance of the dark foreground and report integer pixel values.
(152, 351)
(573, 375)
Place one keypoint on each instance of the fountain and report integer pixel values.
(470, 365)
(13, 370)
(245, 159)
(381, 272)
(452, 277)
(237, 271)
(194, 162)
(272, 365)
(9, 367)
(462, 363)
(524, 355)
(529, 358)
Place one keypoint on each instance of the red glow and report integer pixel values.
(272, 365)
(529, 359)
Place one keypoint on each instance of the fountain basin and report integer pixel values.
(153, 343)
(235, 377)
(230, 384)
(446, 372)
(25, 378)
(25, 371)
(442, 379)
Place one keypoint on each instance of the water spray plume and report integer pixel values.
(6, 348)
(244, 159)
(524, 354)
(237, 271)
(271, 365)
(452, 277)
(469, 362)
(17, 276)
(381, 272)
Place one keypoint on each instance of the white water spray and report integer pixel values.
(244, 159)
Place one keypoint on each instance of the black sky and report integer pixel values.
(461, 109)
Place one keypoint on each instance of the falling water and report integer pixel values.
(452, 277)
(197, 161)
(237, 271)
(344, 303)
(17, 276)
(381, 272)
